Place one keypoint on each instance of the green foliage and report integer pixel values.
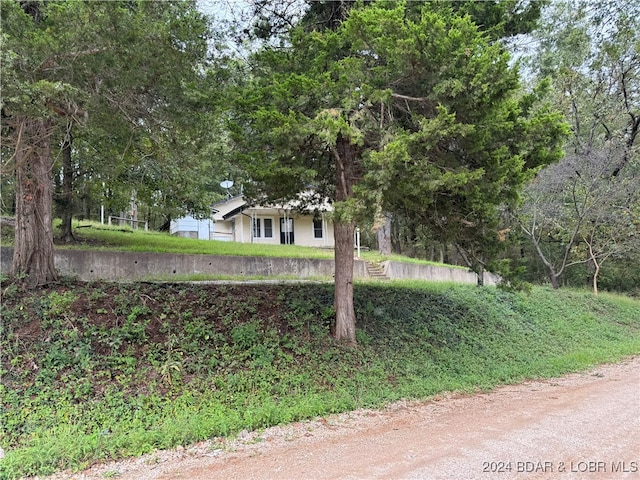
(99, 371)
(135, 115)
(502, 18)
(583, 209)
(431, 106)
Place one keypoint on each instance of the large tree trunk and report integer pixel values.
(345, 154)
(343, 296)
(33, 246)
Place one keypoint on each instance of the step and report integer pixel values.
(376, 271)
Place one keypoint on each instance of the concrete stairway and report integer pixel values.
(376, 271)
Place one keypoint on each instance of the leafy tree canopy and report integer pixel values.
(430, 102)
(115, 76)
(413, 113)
(582, 210)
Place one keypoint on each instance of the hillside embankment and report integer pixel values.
(95, 371)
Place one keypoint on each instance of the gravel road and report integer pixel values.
(581, 426)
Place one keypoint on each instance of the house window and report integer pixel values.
(317, 228)
(268, 228)
(262, 227)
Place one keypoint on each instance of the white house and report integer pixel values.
(190, 227)
(236, 221)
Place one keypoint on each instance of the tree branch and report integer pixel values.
(407, 97)
(51, 63)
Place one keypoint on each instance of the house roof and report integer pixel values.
(234, 212)
(223, 208)
(231, 207)
(226, 201)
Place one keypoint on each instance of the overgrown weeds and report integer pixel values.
(97, 371)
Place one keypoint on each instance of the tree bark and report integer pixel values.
(480, 274)
(346, 157)
(343, 294)
(33, 246)
(596, 266)
(554, 276)
(66, 197)
(383, 235)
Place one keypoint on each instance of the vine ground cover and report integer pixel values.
(98, 371)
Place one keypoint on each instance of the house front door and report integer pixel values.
(286, 231)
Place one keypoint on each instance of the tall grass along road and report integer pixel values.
(576, 427)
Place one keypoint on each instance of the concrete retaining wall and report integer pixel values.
(435, 273)
(108, 265)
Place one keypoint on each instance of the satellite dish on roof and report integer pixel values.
(227, 184)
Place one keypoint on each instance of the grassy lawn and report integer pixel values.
(93, 235)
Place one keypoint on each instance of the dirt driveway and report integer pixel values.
(582, 426)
